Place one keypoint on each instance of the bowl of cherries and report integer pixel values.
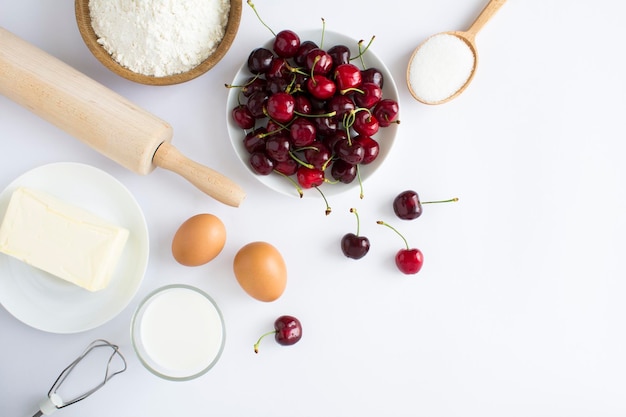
(313, 109)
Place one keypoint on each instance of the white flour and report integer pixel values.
(159, 37)
(440, 67)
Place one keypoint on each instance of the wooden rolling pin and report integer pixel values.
(99, 117)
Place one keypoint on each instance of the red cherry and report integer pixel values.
(256, 103)
(242, 117)
(368, 96)
(365, 123)
(260, 60)
(373, 75)
(350, 151)
(408, 260)
(278, 69)
(318, 155)
(371, 147)
(303, 132)
(321, 87)
(319, 62)
(252, 85)
(287, 167)
(277, 147)
(353, 245)
(303, 104)
(280, 107)
(407, 205)
(309, 177)
(386, 112)
(340, 54)
(341, 105)
(287, 331)
(347, 76)
(261, 163)
(303, 50)
(286, 43)
(255, 140)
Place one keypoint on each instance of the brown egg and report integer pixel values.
(199, 240)
(261, 271)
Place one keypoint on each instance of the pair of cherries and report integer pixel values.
(407, 206)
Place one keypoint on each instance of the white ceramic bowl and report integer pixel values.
(385, 136)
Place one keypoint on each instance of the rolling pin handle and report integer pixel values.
(204, 178)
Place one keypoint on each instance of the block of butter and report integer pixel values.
(62, 239)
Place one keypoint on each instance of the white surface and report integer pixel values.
(385, 136)
(519, 309)
(48, 303)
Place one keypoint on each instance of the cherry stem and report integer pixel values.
(328, 209)
(259, 17)
(394, 229)
(358, 175)
(300, 161)
(242, 85)
(323, 32)
(358, 222)
(256, 345)
(362, 51)
(348, 90)
(312, 75)
(329, 114)
(298, 188)
(441, 201)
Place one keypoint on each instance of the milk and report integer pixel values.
(179, 332)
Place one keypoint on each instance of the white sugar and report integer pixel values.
(441, 67)
(159, 37)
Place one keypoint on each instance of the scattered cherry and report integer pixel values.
(287, 331)
(407, 205)
(354, 245)
(408, 260)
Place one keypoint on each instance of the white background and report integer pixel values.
(519, 309)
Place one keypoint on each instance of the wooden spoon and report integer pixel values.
(457, 81)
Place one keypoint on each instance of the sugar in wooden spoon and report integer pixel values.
(442, 66)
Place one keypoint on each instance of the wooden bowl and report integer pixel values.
(83, 19)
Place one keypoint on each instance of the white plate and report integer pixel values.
(385, 136)
(47, 303)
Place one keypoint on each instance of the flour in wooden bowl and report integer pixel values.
(159, 38)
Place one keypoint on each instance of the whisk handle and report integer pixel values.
(49, 405)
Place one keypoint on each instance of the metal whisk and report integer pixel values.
(54, 401)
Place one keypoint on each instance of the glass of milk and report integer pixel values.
(178, 332)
